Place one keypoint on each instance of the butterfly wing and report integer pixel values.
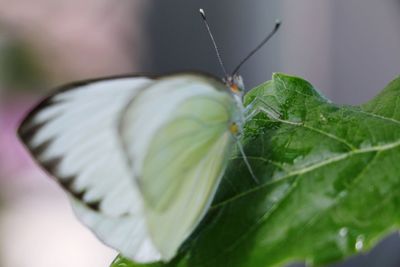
(177, 139)
(73, 134)
(127, 234)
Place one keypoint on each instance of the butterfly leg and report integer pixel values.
(246, 161)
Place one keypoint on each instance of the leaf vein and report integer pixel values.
(332, 136)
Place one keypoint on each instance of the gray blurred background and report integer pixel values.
(349, 49)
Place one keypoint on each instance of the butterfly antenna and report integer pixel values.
(247, 162)
(263, 42)
(203, 16)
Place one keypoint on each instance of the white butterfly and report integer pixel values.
(141, 157)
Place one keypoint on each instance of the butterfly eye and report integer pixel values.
(234, 88)
(235, 84)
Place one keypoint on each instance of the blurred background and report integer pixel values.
(349, 49)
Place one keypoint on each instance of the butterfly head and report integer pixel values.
(235, 84)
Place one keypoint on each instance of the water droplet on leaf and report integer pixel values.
(359, 243)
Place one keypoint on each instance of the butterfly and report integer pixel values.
(141, 157)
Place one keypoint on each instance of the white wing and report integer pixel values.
(73, 134)
(128, 234)
(176, 136)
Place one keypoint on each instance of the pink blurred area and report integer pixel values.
(13, 157)
(70, 40)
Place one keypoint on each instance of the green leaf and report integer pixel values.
(329, 183)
